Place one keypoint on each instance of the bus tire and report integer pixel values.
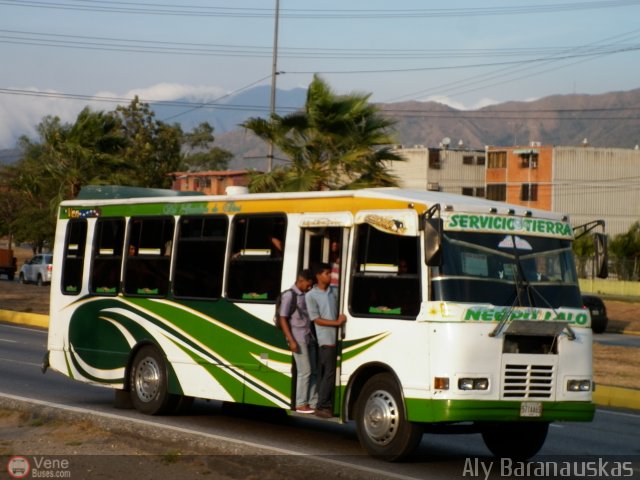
(516, 440)
(148, 382)
(381, 422)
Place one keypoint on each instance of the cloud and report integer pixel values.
(483, 102)
(20, 113)
(170, 91)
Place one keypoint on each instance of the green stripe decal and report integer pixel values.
(243, 354)
(431, 411)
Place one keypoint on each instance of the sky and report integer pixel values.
(58, 56)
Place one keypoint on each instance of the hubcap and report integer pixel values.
(147, 379)
(381, 417)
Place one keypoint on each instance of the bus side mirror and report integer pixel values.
(601, 255)
(433, 241)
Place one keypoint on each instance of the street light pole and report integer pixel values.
(274, 73)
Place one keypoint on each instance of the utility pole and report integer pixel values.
(274, 73)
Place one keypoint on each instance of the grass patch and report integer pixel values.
(616, 366)
(172, 456)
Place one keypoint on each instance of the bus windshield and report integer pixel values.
(506, 269)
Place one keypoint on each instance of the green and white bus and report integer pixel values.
(461, 312)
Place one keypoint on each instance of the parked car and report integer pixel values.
(599, 319)
(37, 270)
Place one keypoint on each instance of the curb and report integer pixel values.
(24, 318)
(604, 396)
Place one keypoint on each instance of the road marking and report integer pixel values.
(220, 438)
(8, 341)
(10, 360)
(622, 414)
(35, 330)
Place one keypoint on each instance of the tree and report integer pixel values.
(152, 147)
(81, 153)
(625, 247)
(31, 192)
(583, 250)
(127, 146)
(200, 154)
(9, 205)
(335, 142)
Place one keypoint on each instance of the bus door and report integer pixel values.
(325, 239)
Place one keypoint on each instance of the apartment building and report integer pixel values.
(453, 170)
(213, 182)
(585, 182)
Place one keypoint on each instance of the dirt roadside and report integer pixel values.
(96, 447)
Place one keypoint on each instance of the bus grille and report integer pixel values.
(527, 381)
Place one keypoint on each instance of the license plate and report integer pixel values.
(531, 409)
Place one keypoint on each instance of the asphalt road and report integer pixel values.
(439, 456)
(617, 339)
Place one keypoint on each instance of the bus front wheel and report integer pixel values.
(148, 382)
(519, 441)
(381, 422)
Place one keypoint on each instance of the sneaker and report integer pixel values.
(323, 413)
(304, 409)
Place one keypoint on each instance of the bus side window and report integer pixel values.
(200, 253)
(73, 261)
(107, 256)
(386, 279)
(148, 261)
(255, 266)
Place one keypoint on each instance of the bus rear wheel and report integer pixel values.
(148, 383)
(381, 422)
(519, 441)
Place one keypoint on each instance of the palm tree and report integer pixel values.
(336, 142)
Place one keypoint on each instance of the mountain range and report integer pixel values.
(603, 120)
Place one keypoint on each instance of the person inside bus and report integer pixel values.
(322, 305)
(276, 247)
(301, 340)
(334, 261)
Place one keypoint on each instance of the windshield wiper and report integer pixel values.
(524, 287)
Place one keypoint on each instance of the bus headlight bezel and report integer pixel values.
(473, 383)
(579, 385)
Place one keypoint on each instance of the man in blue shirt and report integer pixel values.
(322, 305)
(301, 340)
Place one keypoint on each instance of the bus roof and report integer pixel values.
(420, 200)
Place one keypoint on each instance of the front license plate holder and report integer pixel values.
(531, 409)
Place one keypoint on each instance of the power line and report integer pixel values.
(120, 100)
(164, 47)
(479, 65)
(479, 81)
(496, 114)
(207, 104)
(348, 14)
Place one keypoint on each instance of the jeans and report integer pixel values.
(326, 376)
(306, 393)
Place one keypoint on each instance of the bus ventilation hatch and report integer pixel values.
(527, 381)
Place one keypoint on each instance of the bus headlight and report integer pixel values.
(473, 383)
(579, 385)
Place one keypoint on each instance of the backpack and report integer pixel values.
(294, 307)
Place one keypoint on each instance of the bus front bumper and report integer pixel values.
(436, 411)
